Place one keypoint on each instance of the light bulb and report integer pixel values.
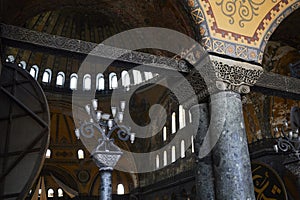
(286, 123)
(113, 111)
(290, 134)
(98, 115)
(95, 103)
(120, 116)
(88, 109)
(122, 105)
(77, 133)
(132, 137)
(110, 123)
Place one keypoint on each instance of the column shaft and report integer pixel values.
(204, 167)
(105, 184)
(231, 160)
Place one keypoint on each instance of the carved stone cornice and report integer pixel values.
(55, 42)
(235, 75)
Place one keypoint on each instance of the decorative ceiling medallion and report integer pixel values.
(83, 176)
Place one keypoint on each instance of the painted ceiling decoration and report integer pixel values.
(239, 29)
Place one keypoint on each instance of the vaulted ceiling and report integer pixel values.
(77, 15)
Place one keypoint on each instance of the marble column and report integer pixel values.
(204, 168)
(106, 183)
(231, 160)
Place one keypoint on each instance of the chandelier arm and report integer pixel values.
(111, 131)
(87, 130)
(123, 133)
(284, 144)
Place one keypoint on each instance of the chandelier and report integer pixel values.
(106, 153)
(289, 140)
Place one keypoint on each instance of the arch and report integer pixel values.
(125, 78)
(148, 75)
(164, 133)
(157, 161)
(275, 23)
(192, 144)
(62, 174)
(213, 29)
(100, 82)
(87, 82)
(22, 64)
(80, 154)
(73, 81)
(182, 149)
(60, 79)
(10, 59)
(118, 177)
(173, 122)
(60, 192)
(47, 76)
(48, 153)
(190, 117)
(181, 117)
(120, 189)
(137, 77)
(50, 192)
(34, 71)
(173, 154)
(113, 81)
(165, 160)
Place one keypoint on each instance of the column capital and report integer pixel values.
(235, 75)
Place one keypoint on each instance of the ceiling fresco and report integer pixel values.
(239, 29)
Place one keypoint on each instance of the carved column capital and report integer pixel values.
(235, 75)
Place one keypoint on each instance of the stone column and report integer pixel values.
(105, 189)
(231, 160)
(204, 168)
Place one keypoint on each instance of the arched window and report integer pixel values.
(80, 154)
(10, 58)
(34, 71)
(113, 80)
(157, 161)
(22, 64)
(182, 149)
(100, 82)
(165, 158)
(73, 81)
(87, 82)
(50, 192)
(173, 156)
(60, 192)
(137, 77)
(181, 117)
(190, 117)
(173, 122)
(192, 143)
(48, 153)
(164, 133)
(125, 79)
(120, 189)
(148, 75)
(60, 79)
(47, 76)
